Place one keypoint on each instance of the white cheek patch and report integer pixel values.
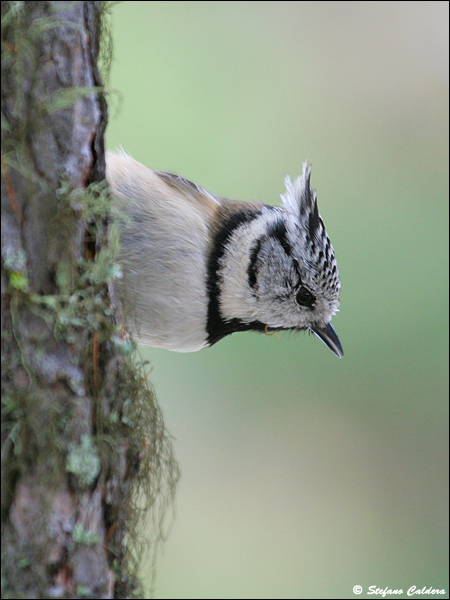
(237, 299)
(270, 300)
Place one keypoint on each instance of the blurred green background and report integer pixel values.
(304, 475)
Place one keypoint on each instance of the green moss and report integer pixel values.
(83, 591)
(18, 281)
(83, 461)
(12, 423)
(83, 536)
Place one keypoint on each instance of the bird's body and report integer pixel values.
(197, 267)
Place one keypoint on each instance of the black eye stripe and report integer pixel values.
(278, 231)
(251, 269)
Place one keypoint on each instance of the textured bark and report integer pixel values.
(71, 455)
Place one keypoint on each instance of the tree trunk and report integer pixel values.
(84, 449)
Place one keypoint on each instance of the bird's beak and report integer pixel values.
(329, 337)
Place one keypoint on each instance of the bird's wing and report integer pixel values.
(192, 192)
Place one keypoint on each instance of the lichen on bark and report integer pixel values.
(85, 452)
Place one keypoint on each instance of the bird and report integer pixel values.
(197, 267)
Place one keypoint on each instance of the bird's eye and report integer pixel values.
(305, 298)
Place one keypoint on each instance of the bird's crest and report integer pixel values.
(300, 201)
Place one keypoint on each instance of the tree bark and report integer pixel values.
(84, 449)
